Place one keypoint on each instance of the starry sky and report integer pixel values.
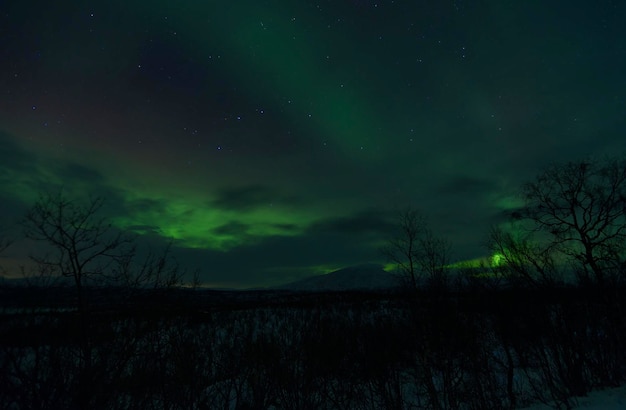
(272, 139)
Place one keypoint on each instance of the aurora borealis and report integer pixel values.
(271, 140)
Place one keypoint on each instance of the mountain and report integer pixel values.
(360, 277)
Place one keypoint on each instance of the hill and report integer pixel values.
(360, 277)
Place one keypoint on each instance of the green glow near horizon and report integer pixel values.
(191, 221)
(497, 259)
(178, 213)
(390, 267)
(506, 202)
(493, 261)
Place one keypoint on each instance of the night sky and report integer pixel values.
(271, 140)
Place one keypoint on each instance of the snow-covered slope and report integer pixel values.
(370, 276)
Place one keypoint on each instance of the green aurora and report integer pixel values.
(272, 140)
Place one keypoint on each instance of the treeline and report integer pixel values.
(567, 226)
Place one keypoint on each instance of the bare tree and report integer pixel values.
(417, 252)
(4, 244)
(522, 261)
(153, 271)
(78, 243)
(434, 258)
(579, 209)
(402, 249)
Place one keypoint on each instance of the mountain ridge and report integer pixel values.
(357, 277)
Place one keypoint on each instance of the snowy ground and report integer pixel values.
(610, 399)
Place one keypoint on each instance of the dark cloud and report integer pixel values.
(11, 212)
(466, 184)
(133, 206)
(74, 172)
(249, 197)
(13, 156)
(36, 175)
(364, 222)
(278, 259)
(285, 227)
(232, 229)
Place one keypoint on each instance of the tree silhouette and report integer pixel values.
(4, 244)
(78, 243)
(579, 208)
(417, 252)
(82, 245)
(522, 260)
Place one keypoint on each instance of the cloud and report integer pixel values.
(363, 222)
(250, 197)
(73, 171)
(13, 156)
(132, 206)
(277, 259)
(464, 184)
(26, 174)
(144, 229)
(232, 229)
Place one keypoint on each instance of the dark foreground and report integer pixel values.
(200, 349)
